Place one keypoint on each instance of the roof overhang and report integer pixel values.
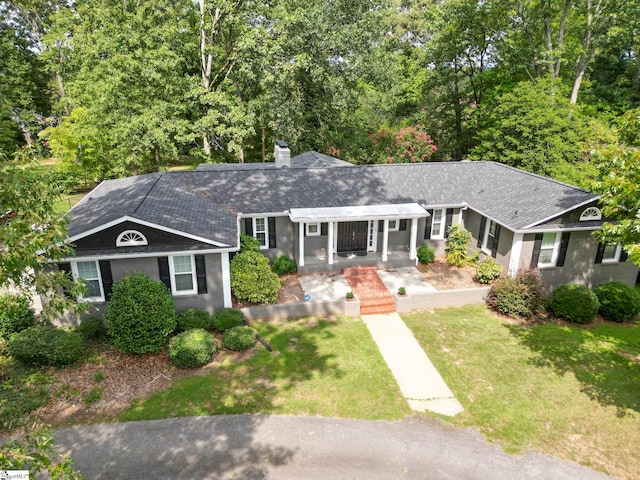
(359, 212)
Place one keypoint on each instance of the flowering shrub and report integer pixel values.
(409, 144)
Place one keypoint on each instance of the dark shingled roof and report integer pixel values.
(203, 202)
(304, 160)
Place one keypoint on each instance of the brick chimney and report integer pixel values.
(282, 153)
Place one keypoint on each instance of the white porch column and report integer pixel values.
(385, 240)
(516, 250)
(330, 244)
(301, 227)
(226, 280)
(413, 239)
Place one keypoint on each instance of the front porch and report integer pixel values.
(320, 263)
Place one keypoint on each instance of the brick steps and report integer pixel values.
(369, 289)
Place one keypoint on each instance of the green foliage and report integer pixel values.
(519, 296)
(426, 254)
(488, 270)
(21, 392)
(141, 315)
(193, 318)
(38, 346)
(252, 279)
(402, 291)
(575, 303)
(92, 329)
(192, 349)
(247, 242)
(618, 301)
(16, 314)
(283, 264)
(457, 242)
(408, 144)
(94, 395)
(239, 338)
(227, 318)
(37, 453)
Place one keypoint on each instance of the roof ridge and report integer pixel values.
(549, 179)
(148, 192)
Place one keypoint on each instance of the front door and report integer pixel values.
(352, 238)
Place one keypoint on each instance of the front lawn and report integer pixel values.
(330, 368)
(568, 391)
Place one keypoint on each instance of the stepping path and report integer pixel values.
(369, 289)
(419, 381)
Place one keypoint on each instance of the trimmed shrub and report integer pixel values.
(458, 239)
(239, 338)
(193, 318)
(38, 346)
(92, 329)
(192, 349)
(426, 254)
(141, 315)
(247, 242)
(252, 279)
(283, 264)
(521, 296)
(618, 302)
(227, 318)
(575, 303)
(16, 314)
(488, 270)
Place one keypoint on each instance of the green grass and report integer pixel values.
(318, 367)
(66, 201)
(568, 391)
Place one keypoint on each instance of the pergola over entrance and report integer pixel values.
(333, 216)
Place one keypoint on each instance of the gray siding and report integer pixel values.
(570, 217)
(285, 238)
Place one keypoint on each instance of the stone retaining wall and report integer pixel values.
(440, 299)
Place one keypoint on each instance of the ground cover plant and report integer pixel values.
(559, 389)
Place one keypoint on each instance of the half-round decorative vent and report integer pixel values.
(591, 213)
(131, 238)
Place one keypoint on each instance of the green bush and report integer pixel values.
(227, 318)
(519, 296)
(192, 349)
(247, 242)
(16, 314)
(38, 346)
(252, 279)
(141, 315)
(92, 329)
(239, 338)
(458, 239)
(193, 318)
(574, 302)
(488, 270)
(426, 254)
(618, 302)
(283, 264)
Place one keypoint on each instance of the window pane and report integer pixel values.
(87, 270)
(184, 282)
(435, 229)
(93, 288)
(260, 225)
(262, 239)
(313, 228)
(545, 257)
(610, 252)
(548, 240)
(182, 264)
(492, 228)
(437, 216)
(393, 224)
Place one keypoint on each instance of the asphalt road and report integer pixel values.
(280, 447)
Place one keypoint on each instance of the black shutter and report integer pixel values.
(66, 268)
(403, 225)
(201, 274)
(427, 225)
(272, 232)
(324, 228)
(496, 239)
(537, 245)
(623, 255)
(304, 227)
(483, 223)
(600, 252)
(163, 269)
(380, 225)
(562, 254)
(448, 222)
(107, 278)
(248, 226)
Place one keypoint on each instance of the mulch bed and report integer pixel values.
(445, 277)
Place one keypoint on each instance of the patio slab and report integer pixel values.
(408, 277)
(323, 287)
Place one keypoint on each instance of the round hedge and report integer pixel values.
(239, 338)
(192, 349)
(575, 303)
(618, 302)
(92, 329)
(141, 315)
(38, 346)
(16, 314)
(193, 318)
(227, 318)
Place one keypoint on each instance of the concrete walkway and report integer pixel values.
(419, 381)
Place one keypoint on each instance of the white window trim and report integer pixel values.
(121, 242)
(485, 237)
(309, 232)
(442, 222)
(266, 232)
(76, 275)
(395, 228)
(554, 253)
(616, 257)
(172, 277)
